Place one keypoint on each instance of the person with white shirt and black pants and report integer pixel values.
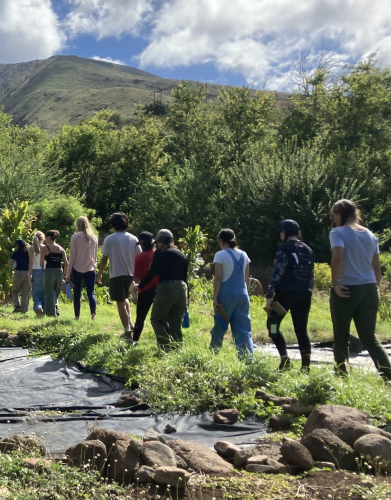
(230, 291)
(120, 249)
(291, 286)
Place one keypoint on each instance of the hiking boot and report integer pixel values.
(127, 336)
(17, 309)
(285, 364)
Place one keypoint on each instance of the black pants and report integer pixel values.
(299, 304)
(145, 300)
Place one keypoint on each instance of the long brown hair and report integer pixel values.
(37, 240)
(83, 225)
(347, 209)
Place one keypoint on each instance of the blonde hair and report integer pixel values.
(83, 225)
(38, 237)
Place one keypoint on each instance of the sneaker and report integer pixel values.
(285, 364)
(134, 343)
(39, 312)
(17, 309)
(127, 336)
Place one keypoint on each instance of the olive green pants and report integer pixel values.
(362, 307)
(52, 281)
(21, 287)
(168, 310)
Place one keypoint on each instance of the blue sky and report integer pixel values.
(234, 43)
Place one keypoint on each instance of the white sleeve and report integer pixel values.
(336, 239)
(218, 258)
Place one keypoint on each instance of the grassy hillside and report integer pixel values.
(64, 89)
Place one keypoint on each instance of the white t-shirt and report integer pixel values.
(121, 249)
(223, 257)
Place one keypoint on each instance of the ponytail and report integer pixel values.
(228, 236)
(53, 234)
(38, 238)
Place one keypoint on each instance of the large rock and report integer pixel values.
(199, 458)
(145, 474)
(241, 457)
(122, 463)
(226, 450)
(340, 420)
(172, 476)
(229, 416)
(157, 453)
(297, 454)
(297, 410)
(280, 422)
(127, 400)
(109, 438)
(375, 448)
(26, 444)
(327, 447)
(257, 460)
(278, 466)
(92, 453)
(260, 469)
(364, 430)
(276, 400)
(153, 435)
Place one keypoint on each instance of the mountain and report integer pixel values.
(64, 89)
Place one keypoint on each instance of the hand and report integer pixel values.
(67, 279)
(342, 291)
(30, 280)
(269, 303)
(135, 299)
(99, 278)
(215, 304)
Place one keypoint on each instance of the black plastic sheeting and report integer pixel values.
(58, 402)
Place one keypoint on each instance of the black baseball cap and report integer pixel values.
(288, 225)
(145, 236)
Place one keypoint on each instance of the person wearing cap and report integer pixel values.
(19, 261)
(171, 296)
(291, 286)
(142, 264)
(120, 249)
(230, 294)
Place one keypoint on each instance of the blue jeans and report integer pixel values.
(38, 289)
(89, 280)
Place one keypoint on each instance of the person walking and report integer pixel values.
(355, 275)
(120, 249)
(171, 296)
(82, 265)
(53, 255)
(144, 298)
(36, 273)
(21, 287)
(232, 272)
(291, 286)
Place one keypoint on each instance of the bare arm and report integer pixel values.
(43, 254)
(337, 254)
(247, 273)
(376, 267)
(217, 282)
(31, 261)
(10, 262)
(64, 258)
(102, 266)
(72, 256)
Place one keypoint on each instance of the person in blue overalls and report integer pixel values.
(230, 291)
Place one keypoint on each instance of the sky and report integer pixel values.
(231, 42)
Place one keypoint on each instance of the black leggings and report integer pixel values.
(299, 304)
(145, 300)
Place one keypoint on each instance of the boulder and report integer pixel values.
(92, 453)
(297, 410)
(279, 422)
(363, 430)
(110, 437)
(387, 428)
(375, 448)
(170, 429)
(122, 462)
(297, 454)
(340, 420)
(230, 416)
(157, 453)
(171, 476)
(278, 466)
(257, 460)
(3, 334)
(145, 474)
(276, 400)
(127, 400)
(327, 447)
(153, 435)
(225, 449)
(180, 463)
(29, 445)
(241, 457)
(36, 463)
(261, 469)
(199, 458)
(268, 449)
(324, 465)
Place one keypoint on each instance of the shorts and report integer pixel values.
(119, 288)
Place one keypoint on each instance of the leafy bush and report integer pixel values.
(385, 263)
(322, 277)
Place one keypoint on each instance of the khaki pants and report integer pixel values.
(21, 285)
(168, 310)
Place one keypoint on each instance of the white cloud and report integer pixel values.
(103, 18)
(29, 29)
(259, 38)
(108, 59)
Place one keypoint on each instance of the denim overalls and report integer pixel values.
(233, 296)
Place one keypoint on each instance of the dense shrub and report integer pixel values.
(322, 277)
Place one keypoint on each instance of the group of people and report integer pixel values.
(157, 278)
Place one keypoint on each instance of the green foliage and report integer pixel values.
(192, 244)
(322, 277)
(385, 263)
(15, 223)
(61, 212)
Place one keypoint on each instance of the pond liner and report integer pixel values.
(59, 402)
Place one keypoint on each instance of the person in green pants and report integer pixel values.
(355, 274)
